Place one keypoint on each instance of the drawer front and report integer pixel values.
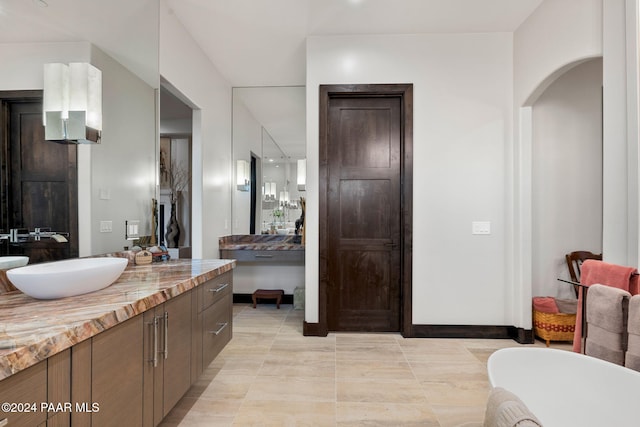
(217, 329)
(247, 255)
(215, 290)
(24, 390)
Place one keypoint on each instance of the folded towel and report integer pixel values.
(594, 349)
(613, 275)
(632, 356)
(505, 409)
(567, 306)
(634, 316)
(545, 304)
(616, 276)
(607, 309)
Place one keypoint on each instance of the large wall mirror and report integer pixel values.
(117, 179)
(269, 137)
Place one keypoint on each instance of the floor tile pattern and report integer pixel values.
(271, 375)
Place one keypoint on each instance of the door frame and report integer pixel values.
(405, 93)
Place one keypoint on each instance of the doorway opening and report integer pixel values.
(175, 198)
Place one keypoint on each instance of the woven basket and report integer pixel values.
(554, 326)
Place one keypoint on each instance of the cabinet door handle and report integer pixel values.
(155, 341)
(219, 288)
(4, 422)
(166, 334)
(221, 327)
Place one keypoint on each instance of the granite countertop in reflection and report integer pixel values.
(261, 242)
(32, 330)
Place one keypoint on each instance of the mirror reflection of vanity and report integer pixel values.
(269, 130)
(116, 179)
(269, 136)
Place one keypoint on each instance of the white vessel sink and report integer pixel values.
(67, 278)
(7, 262)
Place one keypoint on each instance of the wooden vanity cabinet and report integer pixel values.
(136, 371)
(47, 382)
(116, 375)
(28, 386)
(216, 306)
(167, 364)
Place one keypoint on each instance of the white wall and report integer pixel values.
(462, 125)
(559, 35)
(124, 163)
(567, 175)
(23, 63)
(247, 139)
(620, 132)
(187, 69)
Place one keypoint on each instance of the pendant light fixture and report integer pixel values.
(72, 103)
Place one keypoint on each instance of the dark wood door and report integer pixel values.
(364, 214)
(40, 181)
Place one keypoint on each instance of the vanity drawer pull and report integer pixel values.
(219, 288)
(264, 256)
(220, 329)
(155, 341)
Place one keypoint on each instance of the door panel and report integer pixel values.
(39, 179)
(364, 214)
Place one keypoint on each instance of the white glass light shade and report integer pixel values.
(85, 92)
(284, 197)
(72, 102)
(55, 98)
(243, 170)
(269, 190)
(302, 174)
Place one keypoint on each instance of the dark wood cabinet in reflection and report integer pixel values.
(42, 250)
(38, 181)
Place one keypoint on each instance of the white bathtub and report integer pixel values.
(565, 389)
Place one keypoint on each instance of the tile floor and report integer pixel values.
(271, 375)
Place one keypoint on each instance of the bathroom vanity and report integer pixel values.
(123, 355)
(265, 261)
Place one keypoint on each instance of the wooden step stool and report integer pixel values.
(275, 294)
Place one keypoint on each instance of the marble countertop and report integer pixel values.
(32, 330)
(261, 242)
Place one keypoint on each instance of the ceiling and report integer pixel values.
(262, 43)
(251, 42)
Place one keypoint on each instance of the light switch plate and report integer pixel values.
(481, 227)
(132, 229)
(106, 226)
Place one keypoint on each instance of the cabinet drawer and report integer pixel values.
(273, 256)
(26, 388)
(217, 329)
(215, 289)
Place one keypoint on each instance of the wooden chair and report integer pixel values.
(575, 260)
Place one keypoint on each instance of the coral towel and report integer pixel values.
(600, 272)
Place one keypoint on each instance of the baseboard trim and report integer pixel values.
(314, 330)
(246, 299)
(520, 335)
